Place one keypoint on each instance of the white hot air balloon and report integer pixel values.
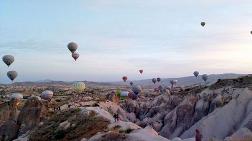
(16, 96)
(79, 87)
(47, 95)
(124, 94)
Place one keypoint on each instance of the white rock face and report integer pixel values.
(146, 134)
(24, 137)
(100, 112)
(243, 134)
(124, 125)
(64, 125)
(222, 121)
(114, 108)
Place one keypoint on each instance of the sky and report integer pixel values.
(119, 37)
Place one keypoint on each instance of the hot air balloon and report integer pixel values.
(131, 83)
(196, 73)
(12, 75)
(75, 55)
(79, 87)
(124, 78)
(250, 32)
(8, 59)
(141, 71)
(173, 82)
(203, 24)
(72, 46)
(124, 94)
(158, 79)
(136, 89)
(154, 80)
(205, 77)
(16, 96)
(47, 95)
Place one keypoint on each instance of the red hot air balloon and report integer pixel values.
(124, 78)
(141, 71)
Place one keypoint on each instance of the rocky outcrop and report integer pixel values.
(180, 119)
(30, 115)
(9, 131)
(226, 120)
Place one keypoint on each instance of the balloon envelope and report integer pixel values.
(196, 73)
(205, 77)
(47, 95)
(79, 87)
(124, 78)
(16, 96)
(154, 80)
(72, 46)
(141, 71)
(131, 83)
(8, 59)
(12, 75)
(203, 24)
(124, 93)
(158, 79)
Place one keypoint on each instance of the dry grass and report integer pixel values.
(113, 136)
(82, 126)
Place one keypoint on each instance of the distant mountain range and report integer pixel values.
(182, 81)
(186, 81)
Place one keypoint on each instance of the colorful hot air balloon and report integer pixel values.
(158, 79)
(75, 55)
(124, 78)
(205, 77)
(141, 71)
(154, 80)
(12, 75)
(72, 46)
(47, 95)
(203, 24)
(79, 87)
(8, 59)
(196, 73)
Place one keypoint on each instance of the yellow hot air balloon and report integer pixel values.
(79, 87)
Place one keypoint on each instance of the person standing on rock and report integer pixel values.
(198, 135)
(114, 116)
(117, 117)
